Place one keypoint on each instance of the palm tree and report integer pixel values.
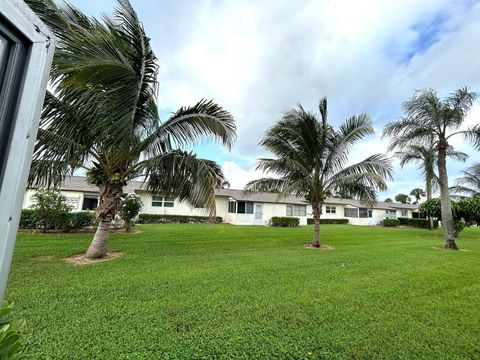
(469, 183)
(311, 160)
(428, 120)
(102, 117)
(417, 193)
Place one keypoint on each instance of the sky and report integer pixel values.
(258, 59)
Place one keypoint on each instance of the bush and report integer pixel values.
(28, 219)
(418, 223)
(49, 207)
(391, 222)
(64, 221)
(285, 221)
(329, 221)
(131, 206)
(174, 219)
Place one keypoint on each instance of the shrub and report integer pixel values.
(65, 221)
(418, 223)
(28, 219)
(329, 221)
(49, 206)
(80, 220)
(174, 219)
(284, 221)
(131, 206)
(390, 222)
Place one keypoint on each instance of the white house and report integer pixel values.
(236, 206)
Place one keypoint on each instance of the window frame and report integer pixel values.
(330, 209)
(162, 201)
(25, 106)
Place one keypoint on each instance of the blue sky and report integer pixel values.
(258, 59)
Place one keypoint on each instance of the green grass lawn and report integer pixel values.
(221, 291)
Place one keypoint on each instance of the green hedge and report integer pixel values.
(284, 221)
(65, 221)
(329, 221)
(390, 222)
(418, 223)
(28, 219)
(174, 219)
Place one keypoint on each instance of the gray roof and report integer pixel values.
(259, 196)
(241, 195)
(79, 183)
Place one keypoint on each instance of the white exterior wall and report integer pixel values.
(74, 199)
(179, 207)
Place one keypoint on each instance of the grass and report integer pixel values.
(222, 291)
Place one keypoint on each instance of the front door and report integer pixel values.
(258, 214)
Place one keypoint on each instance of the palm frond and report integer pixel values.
(188, 125)
(184, 176)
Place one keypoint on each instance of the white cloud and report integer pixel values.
(238, 176)
(258, 59)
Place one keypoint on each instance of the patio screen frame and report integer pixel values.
(28, 52)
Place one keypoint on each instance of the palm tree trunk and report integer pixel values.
(110, 198)
(317, 210)
(428, 189)
(446, 206)
(99, 245)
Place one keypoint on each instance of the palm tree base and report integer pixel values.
(451, 245)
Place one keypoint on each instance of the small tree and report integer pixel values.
(388, 200)
(403, 198)
(465, 212)
(49, 206)
(130, 208)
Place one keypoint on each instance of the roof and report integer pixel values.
(241, 195)
(79, 183)
(259, 196)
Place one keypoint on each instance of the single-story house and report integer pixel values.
(236, 206)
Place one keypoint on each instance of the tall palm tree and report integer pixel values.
(102, 117)
(429, 120)
(469, 183)
(417, 193)
(312, 160)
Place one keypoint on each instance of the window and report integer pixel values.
(331, 209)
(232, 207)
(404, 213)
(390, 214)
(162, 201)
(240, 207)
(157, 200)
(289, 210)
(296, 210)
(351, 212)
(364, 213)
(244, 207)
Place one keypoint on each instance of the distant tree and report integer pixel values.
(403, 198)
(49, 205)
(388, 200)
(129, 210)
(430, 120)
(311, 160)
(465, 212)
(417, 193)
(469, 183)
